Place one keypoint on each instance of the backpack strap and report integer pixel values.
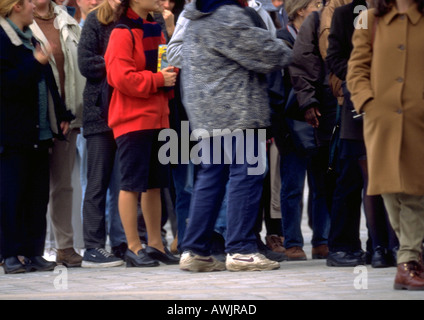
(256, 18)
(124, 26)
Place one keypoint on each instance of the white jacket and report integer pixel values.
(70, 33)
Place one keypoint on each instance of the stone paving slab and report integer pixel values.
(303, 280)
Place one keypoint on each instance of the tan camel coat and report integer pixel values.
(386, 79)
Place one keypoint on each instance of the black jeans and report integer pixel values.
(24, 195)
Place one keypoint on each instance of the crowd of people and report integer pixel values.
(276, 94)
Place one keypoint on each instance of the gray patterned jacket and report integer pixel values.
(225, 58)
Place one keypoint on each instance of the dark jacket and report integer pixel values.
(310, 78)
(91, 50)
(339, 49)
(20, 74)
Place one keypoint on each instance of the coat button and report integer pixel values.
(402, 17)
(399, 111)
(401, 47)
(400, 79)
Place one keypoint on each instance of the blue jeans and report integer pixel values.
(293, 170)
(244, 194)
(183, 176)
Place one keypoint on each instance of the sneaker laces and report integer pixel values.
(104, 252)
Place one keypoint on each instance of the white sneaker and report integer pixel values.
(196, 263)
(249, 262)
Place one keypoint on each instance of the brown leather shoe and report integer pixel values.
(68, 257)
(409, 276)
(275, 243)
(320, 252)
(295, 254)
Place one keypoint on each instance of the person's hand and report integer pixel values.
(168, 17)
(169, 75)
(42, 56)
(64, 126)
(311, 116)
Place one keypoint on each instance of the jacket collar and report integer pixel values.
(413, 14)
(13, 36)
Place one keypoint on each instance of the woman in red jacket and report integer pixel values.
(138, 111)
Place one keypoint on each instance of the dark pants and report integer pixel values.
(101, 151)
(244, 194)
(346, 206)
(293, 169)
(24, 195)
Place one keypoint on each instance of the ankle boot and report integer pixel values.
(409, 276)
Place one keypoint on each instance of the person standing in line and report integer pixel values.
(102, 161)
(352, 147)
(246, 51)
(85, 7)
(138, 111)
(391, 101)
(53, 25)
(28, 124)
(294, 165)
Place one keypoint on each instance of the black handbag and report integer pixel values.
(301, 132)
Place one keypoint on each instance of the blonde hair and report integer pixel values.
(293, 6)
(6, 6)
(105, 13)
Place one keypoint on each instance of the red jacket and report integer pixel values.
(139, 101)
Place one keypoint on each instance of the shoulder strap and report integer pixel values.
(124, 26)
(256, 18)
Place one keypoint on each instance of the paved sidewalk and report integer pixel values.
(304, 280)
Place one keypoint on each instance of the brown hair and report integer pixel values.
(6, 6)
(122, 9)
(384, 6)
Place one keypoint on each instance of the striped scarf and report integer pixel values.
(152, 38)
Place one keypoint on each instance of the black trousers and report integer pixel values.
(24, 195)
(346, 204)
(101, 150)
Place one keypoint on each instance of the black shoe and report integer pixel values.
(38, 263)
(167, 257)
(344, 259)
(13, 265)
(361, 255)
(141, 259)
(271, 255)
(379, 258)
(119, 251)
